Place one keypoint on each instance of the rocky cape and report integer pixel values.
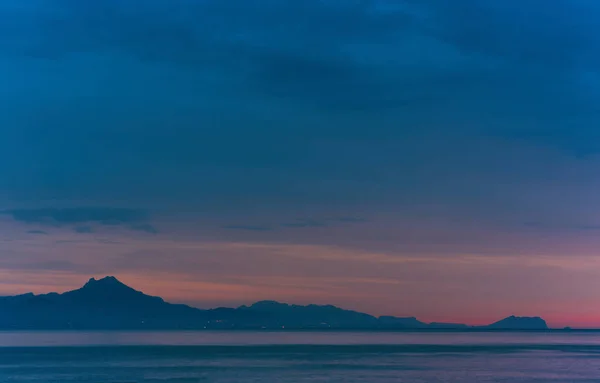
(108, 304)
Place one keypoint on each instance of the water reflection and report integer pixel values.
(208, 338)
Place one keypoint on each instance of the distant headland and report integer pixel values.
(108, 304)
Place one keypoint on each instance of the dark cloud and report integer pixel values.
(236, 105)
(351, 219)
(562, 227)
(38, 232)
(83, 229)
(559, 35)
(107, 216)
(302, 223)
(146, 228)
(68, 241)
(108, 242)
(308, 222)
(248, 227)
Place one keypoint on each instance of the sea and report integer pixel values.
(296, 357)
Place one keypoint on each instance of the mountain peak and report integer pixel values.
(268, 304)
(108, 282)
(520, 323)
(110, 289)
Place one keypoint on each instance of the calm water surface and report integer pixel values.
(227, 357)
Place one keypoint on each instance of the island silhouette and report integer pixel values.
(108, 304)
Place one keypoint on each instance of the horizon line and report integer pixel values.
(468, 326)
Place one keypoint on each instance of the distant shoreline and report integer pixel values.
(108, 304)
(305, 330)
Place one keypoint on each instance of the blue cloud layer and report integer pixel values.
(233, 104)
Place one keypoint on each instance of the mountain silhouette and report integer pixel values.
(108, 304)
(295, 316)
(103, 304)
(518, 323)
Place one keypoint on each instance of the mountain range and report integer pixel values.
(108, 304)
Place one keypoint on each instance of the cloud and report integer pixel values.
(81, 218)
(351, 219)
(303, 223)
(108, 241)
(345, 56)
(146, 228)
(557, 35)
(325, 222)
(248, 227)
(107, 216)
(563, 226)
(40, 232)
(83, 229)
(195, 99)
(426, 108)
(299, 223)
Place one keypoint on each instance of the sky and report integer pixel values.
(399, 157)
